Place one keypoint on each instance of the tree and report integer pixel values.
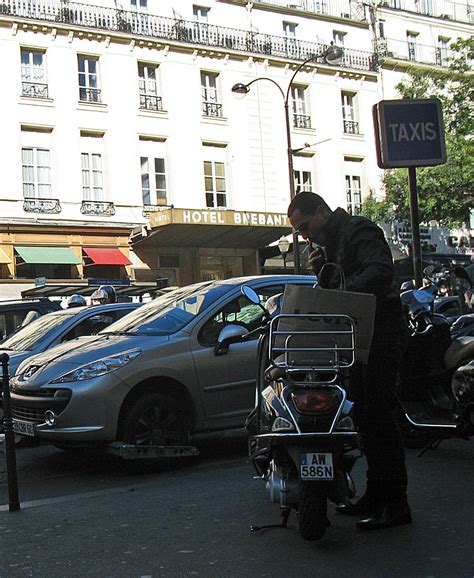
(445, 192)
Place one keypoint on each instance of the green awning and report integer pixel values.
(52, 255)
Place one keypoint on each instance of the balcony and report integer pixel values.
(409, 51)
(301, 121)
(351, 127)
(33, 205)
(120, 21)
(150, 102)
(212, 109)
(34, 90)
(338, 8)
(89, 94)
(444, 9)
(102, 208)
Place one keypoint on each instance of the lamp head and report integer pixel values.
(240, 89)
(283, 245)
(334, 54)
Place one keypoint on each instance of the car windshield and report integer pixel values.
(27, 337)
(171, 312)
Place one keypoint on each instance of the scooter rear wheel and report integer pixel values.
(312, 511)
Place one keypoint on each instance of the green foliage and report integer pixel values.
(445, 192)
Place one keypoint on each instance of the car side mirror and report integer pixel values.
(229, 334)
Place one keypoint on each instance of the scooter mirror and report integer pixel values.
(250, 294)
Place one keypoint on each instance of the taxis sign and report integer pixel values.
(409, 133)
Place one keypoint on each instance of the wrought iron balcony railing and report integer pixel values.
(338, 8)
(105, 208)
(403, 50)
(351, 127)
(33, 205)
(178, 30)
(148, 209)
(213, 109)
(89, 94)
(34, 89)
(150, 102)
(445, 9)
(301, 121)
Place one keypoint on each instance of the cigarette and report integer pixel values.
(306, 248)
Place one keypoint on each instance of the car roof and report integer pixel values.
(96, 309)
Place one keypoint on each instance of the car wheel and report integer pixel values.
(154, 419)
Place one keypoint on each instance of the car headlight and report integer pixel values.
(97, 368)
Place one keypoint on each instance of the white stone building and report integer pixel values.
(124, 152)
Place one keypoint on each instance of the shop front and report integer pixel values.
(191, 245)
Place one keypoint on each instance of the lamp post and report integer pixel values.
(283, 246)
(331, 55)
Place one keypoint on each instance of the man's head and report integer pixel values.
(308, 214)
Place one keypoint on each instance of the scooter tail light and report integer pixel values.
(315, 401)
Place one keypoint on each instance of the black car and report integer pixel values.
(18, 312)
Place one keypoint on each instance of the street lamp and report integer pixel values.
(283, 246)
(332, 55)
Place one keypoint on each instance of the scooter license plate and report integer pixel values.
(316, 466)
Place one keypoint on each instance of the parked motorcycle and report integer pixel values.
(436, 388)
(302, 439)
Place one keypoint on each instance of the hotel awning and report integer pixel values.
(214, 228)
(51, 255)
(105, 256)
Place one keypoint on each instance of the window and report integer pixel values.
(354, 177)
(214, 176)
(210, 96)
(289, 29)
(201, 14)
(92, 155)
(382, 28)
(303, 181)
(442, 52)
(88, 79)
(425, 6)
(139, 5)
(237, 312)
(301, 117)
(153, 180)
(33, 74)
(92, 182)
(411, 40)
(338, 37)
(153, 155)
(353, 194)
(36, 169)
(349, 113)
(148, 86)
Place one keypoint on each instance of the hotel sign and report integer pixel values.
(209, 217)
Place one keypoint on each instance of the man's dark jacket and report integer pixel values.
(359, 246)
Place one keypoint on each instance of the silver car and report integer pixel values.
(153, 377)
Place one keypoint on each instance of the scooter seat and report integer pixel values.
(460, 349)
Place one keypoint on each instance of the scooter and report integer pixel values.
(436, 387)
(302, 439)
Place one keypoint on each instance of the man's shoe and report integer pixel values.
(363, 507)
(386, 518)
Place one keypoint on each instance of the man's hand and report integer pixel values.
(316, 259)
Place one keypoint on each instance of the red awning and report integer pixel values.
(106, 257)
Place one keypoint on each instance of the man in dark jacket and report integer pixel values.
(359, 247)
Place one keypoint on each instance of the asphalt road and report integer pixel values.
(102, 517)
